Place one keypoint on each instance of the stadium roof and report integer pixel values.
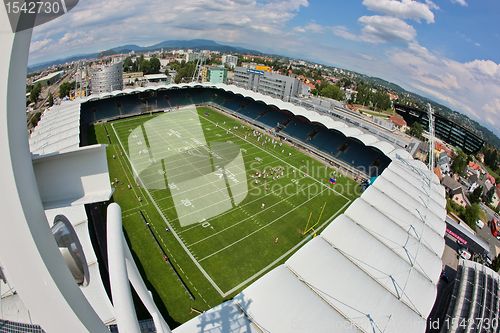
(58, 130)
(48, 76)
(382, 277)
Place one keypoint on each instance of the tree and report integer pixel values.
(489, 195)
(35, 92)
(416, 130)
(65, 89)
(471, 215)
(475, 196)
(185, 71)
(459, 163)
(332, 91)
(154, 65)
(381, 100)
(495, 264)
(51, 100)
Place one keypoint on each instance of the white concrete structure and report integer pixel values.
(230, 60)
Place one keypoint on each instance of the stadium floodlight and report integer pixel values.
(71, 249)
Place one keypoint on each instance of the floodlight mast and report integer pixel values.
(430, 115)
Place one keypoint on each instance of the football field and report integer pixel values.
(238, 200)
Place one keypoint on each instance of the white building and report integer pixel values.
(272, 84)
(230, 60)
(193, 56)
(107, 78)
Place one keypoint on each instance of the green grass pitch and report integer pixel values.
(203, 249)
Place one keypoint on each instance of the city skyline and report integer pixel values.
(434, 49)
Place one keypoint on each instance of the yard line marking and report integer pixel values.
(244, 143)
(254, 232)
(269, 207)
(284, 255)
(202, 270)
(278, 158)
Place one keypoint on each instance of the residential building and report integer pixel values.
(204, 74)
(273, 84)
(455, 191)
(217, 75)
(444, 163)
(230, 60)
(107, 78)
(399, 122)
(192, 56)
(130, 78)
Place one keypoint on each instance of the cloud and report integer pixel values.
(148, 22)
(404, 9)
(460, 2)
(471, 87)
(344, 32)
(378, 29)
(310, 27)
(381, 29)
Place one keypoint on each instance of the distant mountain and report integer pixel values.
(195, 44)
(43, 65)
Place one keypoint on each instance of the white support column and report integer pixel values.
(29, 252)
(126, 317)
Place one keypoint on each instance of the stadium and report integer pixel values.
(210, 208)
(269, 222)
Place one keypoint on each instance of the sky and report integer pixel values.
(448, 50)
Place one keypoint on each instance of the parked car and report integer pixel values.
(464, 254)
(480, 224)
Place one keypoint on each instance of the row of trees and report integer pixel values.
(375, 98)
(34, 91)
(65, 88)
(469, 214)
(328, 90)
(184, 70)
(492, 158)
(151, 66)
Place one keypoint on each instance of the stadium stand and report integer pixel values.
(345, 149)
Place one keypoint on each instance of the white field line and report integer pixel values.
(209, 139)
(284, 255)
(241, 206)
(263, 210)
(278, 259)
(259, 229)
(269, 153)
(322, 184)
(208, 277)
